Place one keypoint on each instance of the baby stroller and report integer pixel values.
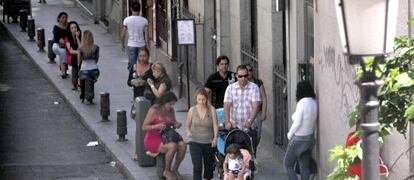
(233, 136)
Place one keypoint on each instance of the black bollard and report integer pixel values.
(31, 28)
(142, 106)
(121, 125)
(160, 160)
(50, 54)
(23, 16)
(105, 106)
(41, 39)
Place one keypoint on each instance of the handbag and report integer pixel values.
(169, 134)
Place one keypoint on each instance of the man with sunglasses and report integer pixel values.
(217, 82)
(241, 102)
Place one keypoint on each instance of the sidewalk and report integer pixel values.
(112, 64)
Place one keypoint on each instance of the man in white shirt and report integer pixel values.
(137, 27)
(241, 101)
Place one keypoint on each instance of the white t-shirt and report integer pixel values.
(304, 118)
(234, 164)
(136, 26)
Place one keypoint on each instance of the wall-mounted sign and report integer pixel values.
(186, 31)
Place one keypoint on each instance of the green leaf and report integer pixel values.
(336, 152)
(369, 62)
(355, 116)
(403, 80)
(409, 112)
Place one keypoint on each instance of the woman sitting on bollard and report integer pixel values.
(202, 130)
(72, 42)
(161, 136)
(140, 73)
(59, 34)
(161, 82)
(88, 57)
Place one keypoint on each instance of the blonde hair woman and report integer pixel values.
(88, 57)
(161, 82)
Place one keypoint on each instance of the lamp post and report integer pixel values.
(367, 29)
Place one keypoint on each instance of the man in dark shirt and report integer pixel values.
(217, 82)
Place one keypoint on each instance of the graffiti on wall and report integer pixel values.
(335, 64)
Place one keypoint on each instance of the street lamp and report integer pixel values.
(367, 29)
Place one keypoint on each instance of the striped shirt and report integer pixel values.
(241, 101)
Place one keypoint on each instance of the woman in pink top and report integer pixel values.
(159, 116)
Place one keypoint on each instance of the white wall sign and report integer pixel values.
(186, 31)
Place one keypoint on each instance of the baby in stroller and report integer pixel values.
(236, 163)
(240, 139)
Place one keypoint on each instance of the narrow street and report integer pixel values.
(40, 135)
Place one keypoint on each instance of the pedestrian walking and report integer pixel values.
(158, 121)
(202, 130)
(161, 82)
(301, 133)
(88, 58)
(241, 102)
(72, 42)
(262, 110)
(137, 28)
(58, 47)
(217, 82)
(140, 73)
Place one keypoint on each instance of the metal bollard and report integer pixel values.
(160, 165)
(31, 28)
(142, 106)
(41, 39)
(50, 54)
(105, 106)
(23, 16)
(121, 125)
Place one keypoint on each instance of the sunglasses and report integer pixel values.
(250, 69)
(243, 76)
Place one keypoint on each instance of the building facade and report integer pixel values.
(286, 41)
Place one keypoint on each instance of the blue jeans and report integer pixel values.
(299, 149)
(132, 56)
(89, 74)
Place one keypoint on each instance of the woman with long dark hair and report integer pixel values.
(301, 137)
(140, 73)
(59, 34)
(72, 42)
(161, 117)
